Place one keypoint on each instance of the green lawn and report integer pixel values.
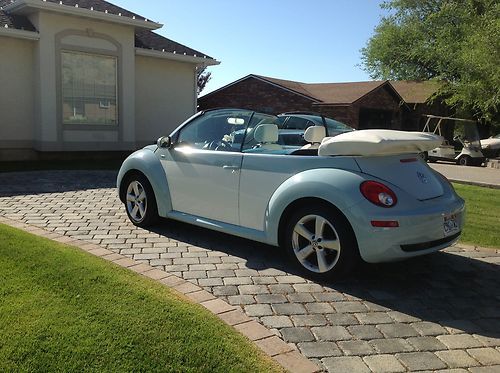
(62, 309)
(482, 219)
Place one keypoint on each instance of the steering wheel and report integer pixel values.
(217, 145)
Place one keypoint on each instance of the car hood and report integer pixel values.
(491, 143)
(408, 172)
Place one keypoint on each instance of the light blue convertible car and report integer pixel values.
(359, 195)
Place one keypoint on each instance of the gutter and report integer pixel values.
(19, 34)
(197, 60)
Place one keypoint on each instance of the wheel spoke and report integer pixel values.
(142, 196)
(134, 211)
(136, 188)
(319, 225)
(331, 244)
(141, 210)
(130, 198)
(322, 264)
(303, 231)
(305, 252)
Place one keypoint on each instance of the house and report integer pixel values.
(372, 104)
(416, 95)
(86, 75)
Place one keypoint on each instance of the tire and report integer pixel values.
(424, 156)
(309, 229)
(140, 201)
(464, 160)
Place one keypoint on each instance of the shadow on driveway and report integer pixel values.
(39, 182)
(452, 290)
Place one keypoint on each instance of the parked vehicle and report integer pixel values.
(491, 146)
(359, 195)
(465, 146)
(292, 126)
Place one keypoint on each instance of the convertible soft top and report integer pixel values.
(379, 142)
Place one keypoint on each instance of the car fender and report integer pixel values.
(332, 185)
(146, 161)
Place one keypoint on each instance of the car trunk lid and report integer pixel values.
(408, 172)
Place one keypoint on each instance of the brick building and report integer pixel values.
(373, 104)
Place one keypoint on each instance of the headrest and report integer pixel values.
(266, 133)
(315, 134)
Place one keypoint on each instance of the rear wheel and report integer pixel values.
(320, 241)
(140, 201)
(464, 160)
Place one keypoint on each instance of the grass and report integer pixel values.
(62, 309)
(482, 215)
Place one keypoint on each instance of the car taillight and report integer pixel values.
(378, 194)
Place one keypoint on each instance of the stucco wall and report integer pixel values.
(165, 97)
(16, 93)
(62, 32)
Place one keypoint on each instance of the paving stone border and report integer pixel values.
(284, 354)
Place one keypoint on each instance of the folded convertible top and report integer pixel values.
(379, 142)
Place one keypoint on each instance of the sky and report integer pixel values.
(311, 41)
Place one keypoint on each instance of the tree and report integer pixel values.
(455, 42)
(203, 77)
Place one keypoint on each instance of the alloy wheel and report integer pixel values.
(137, 202)
(316, 243)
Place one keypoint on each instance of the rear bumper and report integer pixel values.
(420, 231)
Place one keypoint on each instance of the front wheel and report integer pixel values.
(140, 202)
(320, 241)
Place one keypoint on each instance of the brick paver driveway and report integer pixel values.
(437, 312)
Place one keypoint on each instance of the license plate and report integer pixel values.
(450, 224)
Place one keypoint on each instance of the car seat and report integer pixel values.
(267, 136)
(314, 135)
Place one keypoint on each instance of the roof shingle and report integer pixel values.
(150, 40)
(329, 93)
(13, 21)
(415, 92)
(143, 38)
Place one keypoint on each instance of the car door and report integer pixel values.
(203, 166)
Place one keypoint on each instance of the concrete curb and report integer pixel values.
(282, 353)
(475, 183)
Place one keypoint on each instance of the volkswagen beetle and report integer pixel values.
(359, 195)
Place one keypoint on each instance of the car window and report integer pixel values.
(220, 130)
(296, 123)
(254, 145)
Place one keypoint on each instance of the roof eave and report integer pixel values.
(332, 104)
(19, 34)
(24, 7)
(253, 76)
(263, 78)
(195, 60)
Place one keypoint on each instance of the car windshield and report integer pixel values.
(303, 121)
(235, 130)
(337, 127)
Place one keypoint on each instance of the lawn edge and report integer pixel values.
(282, 353)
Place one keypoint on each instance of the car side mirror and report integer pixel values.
(164, 142)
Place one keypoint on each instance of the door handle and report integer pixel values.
(233, 169)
